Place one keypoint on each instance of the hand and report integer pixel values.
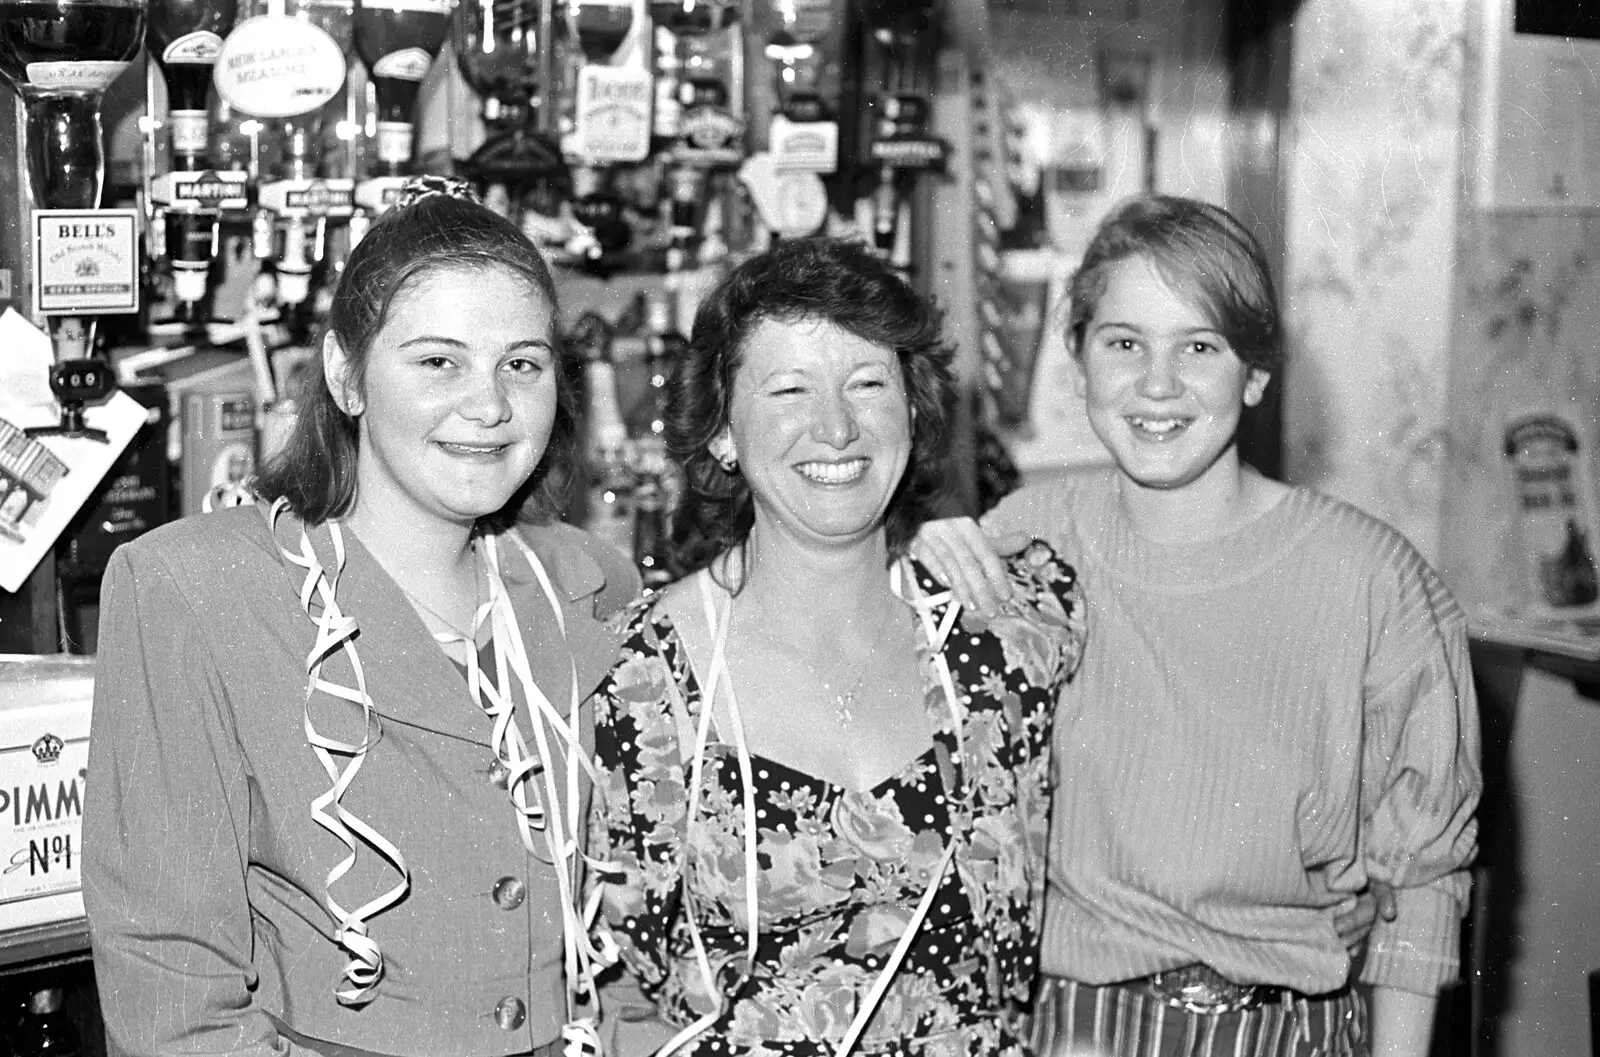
(959, 554)
(1353, 925)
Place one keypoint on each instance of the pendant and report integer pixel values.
(841, 708)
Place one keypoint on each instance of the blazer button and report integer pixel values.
(509, 1013)
(499, 773)
(509, 892)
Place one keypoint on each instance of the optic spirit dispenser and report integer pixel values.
(59, 56)
(282, 64)
(506, 51)
(397, 41)
(185, 37)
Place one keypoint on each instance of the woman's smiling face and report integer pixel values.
(820, 422)
(1163, 387)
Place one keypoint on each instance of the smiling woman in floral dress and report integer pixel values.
(824, 783)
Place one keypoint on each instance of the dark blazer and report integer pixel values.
(204, 872)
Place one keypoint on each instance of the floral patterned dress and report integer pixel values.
(842, 870)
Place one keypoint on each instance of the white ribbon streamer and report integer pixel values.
(559, 825)
(935, 632)
(336, 632)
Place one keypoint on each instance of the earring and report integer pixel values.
(721, 448)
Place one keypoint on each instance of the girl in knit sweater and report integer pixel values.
(1275, 711)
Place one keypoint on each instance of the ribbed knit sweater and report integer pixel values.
(1261, 723)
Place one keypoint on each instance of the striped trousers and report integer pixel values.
(1124, 1020)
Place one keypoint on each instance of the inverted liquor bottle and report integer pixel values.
(60, 56)
(283, 64)
(507, 55)
(184, 39)
(398, 41)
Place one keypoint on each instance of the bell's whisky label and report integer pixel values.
(85, 261)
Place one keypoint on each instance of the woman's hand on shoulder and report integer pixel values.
(970, 563)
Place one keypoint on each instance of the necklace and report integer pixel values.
(843, 704)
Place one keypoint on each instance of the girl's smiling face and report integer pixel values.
(1163, 387)
(459, 396)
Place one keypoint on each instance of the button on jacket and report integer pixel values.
(204, 871)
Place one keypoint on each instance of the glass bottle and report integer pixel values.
(45, 1030)
(652, 536)
(609, 510)
(507, 54)
(184, 39)
(398, 40)
(1554, 512)
(60, 56)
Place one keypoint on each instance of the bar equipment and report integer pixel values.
(506, 52)
(59, 56)
(901, 147)
(709, 133)
(282, 64)
(397, 41)
(611, 122)
(184, 38)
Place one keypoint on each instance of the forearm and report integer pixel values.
(1402, 1022)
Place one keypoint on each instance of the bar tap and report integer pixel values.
(506, 52)
(900, 144)
(283, 63)
(785, 181)
(611, 122)
(59, 56)
(184, 38)
(710, 123)
(804, 134)
(397, 41)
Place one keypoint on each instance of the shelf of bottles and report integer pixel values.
(644, 144)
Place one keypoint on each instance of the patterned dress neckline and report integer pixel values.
(929, 686)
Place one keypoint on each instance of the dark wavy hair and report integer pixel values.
(315, 469)
(841, 282)
(1199, 249)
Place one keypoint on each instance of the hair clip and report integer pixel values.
(416, 188)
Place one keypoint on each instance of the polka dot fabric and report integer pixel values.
(842, 871)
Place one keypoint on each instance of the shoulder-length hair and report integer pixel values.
(838, 281)
(1200, 250)
(316, 468)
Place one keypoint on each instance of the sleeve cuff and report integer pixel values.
(1420, 951)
